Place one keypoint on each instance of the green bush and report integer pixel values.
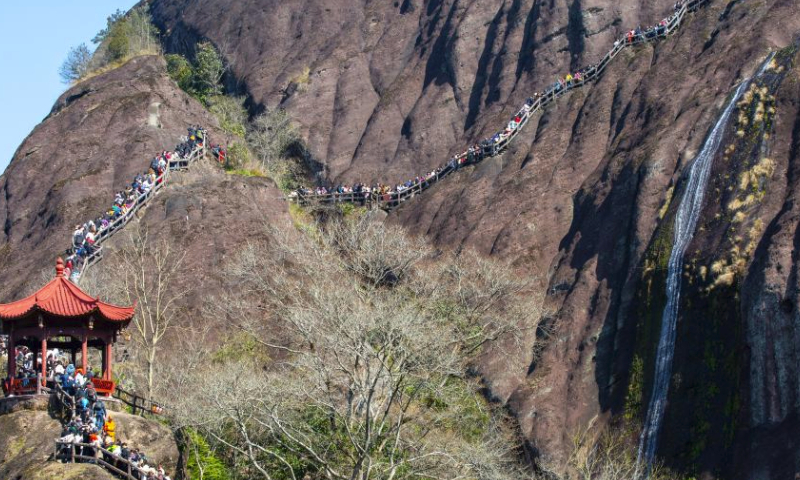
(110, 22)
(238, 155)
(208, 71)
(126, 35)
(202, 461)
(118, 43)
(180, 70)
(202, 78)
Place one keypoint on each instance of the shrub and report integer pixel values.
(180, 70)
(202, 461)
(125, 36)
(142, 34)
(238, 155)
(76, 65)
(230, 113)
(271, 136)
(208, 71)
(110, 22)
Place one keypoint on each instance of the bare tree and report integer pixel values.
(271, 135)
(147, 272)
(76, 66)
(370, 381)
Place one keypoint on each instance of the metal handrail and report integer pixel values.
(392, 199)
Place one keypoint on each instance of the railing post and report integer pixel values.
(72, 452)
(38, 384)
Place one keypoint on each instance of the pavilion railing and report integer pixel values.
(393, 199)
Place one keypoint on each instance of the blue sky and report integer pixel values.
(35, 37)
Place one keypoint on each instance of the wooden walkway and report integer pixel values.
(494, 148)
(118, 224)
(71, 452)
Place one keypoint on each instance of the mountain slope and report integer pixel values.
(581, 201)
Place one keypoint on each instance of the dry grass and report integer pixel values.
(773, 65)
(744, 180)
(735, 204)
(303, 78)
(117, 64)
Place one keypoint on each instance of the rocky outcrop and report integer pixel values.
(99, 135)
(28, 452)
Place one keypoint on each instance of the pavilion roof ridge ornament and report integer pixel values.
(59, 267)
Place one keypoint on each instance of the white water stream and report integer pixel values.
(685, 223)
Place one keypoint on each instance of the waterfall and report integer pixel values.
(685, 223)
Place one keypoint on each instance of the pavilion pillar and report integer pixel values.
(108, 356)
(84, 353)
(44, 359)
(12, 356)
(104, 361)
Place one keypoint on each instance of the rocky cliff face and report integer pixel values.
(99, 135)
(582, 201)
(388, 90)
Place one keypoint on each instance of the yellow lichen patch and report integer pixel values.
(718, 266)
(744, 180)
(703, 272)
(726, 279)
(667, 200)
(764, 168)
(739, 217)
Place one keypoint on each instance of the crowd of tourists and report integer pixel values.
(29, 365)
(489, 146)
(25, 364)
(86, 236)
(93, 425)
(362, 191)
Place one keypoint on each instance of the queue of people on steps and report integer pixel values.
(488, 147)
(86, 236)
(92, 424)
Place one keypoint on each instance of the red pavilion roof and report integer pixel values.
(64, 298)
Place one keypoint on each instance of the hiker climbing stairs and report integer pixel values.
(94, 252)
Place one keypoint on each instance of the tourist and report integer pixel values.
(110, 428)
